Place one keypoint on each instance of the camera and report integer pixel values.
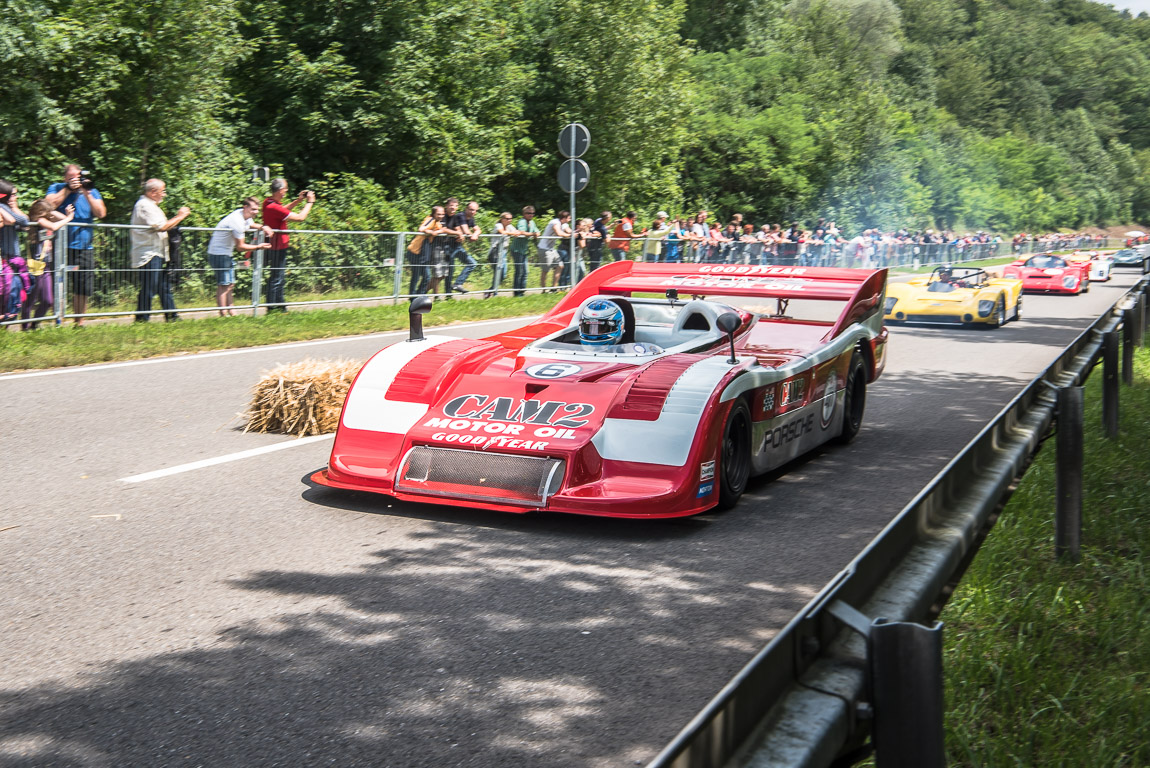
(86, 180)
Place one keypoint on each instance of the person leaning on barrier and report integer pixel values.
(469, 232)
(497, 255)
(228, 238)
(150, 250)
(276, 215)
(11, 283)
(553, 249)
(456, 247)
(79, 191)
(602, 228)
(526, 229)
(420, 251)
(44, 223)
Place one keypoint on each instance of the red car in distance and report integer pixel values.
(1047, 273)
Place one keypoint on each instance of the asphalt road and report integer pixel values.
(231, 615)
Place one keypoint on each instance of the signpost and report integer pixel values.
(574, 174)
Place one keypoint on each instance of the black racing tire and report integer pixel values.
(854, 400)
(735, 455)
(1018, 309)
(999, 318)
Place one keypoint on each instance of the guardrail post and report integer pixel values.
(906, 681)
(1068, 514)
(1139, 320)
(1110, 383)
(1128, 320)
(60, 259)
(257, 281)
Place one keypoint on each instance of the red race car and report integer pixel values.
(626, 399)
(1048, 273)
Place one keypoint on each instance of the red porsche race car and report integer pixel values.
(1048, 273)
(626, 399)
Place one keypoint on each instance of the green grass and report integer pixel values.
(51, 346)
(1048, 662)
(928, 268)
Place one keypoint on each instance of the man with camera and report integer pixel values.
(80, 191)
(276, 215)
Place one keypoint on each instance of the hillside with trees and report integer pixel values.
(977, 114)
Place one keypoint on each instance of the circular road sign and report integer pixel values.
(574, 140)
(582, 176)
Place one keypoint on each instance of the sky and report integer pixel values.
(1135, 6)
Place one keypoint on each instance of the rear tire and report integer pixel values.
(999, 313)
(854, 400)
(735, 455)
(1018, 309)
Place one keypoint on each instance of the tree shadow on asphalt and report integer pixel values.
(486, 639)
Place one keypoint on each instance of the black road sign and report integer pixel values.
(582, 176)
(574, 140)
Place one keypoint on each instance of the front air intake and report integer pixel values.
(481, 476)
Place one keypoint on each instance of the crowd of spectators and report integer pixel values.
(445, 238)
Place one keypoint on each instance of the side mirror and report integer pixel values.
(728, 323)
(419, 307)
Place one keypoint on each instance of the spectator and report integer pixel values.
(620, 243)
(699, 235)
(440, 267)
(674, 241)
(752, 246)
(460, 223)
(731, 250)
(45, 222)
(601, 227)
(583, 234)
(12, 285)
(653, 245)
(551, 253)
(526, 229)
(81, 193)
(422, 251)
(276, 215)
(150, 250)
(497, 255)
(227, 238)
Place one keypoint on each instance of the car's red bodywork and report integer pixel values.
(527, 420)
(1047, 273)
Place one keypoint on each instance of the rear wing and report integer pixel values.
(861, 289)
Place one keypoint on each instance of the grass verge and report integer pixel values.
(51, 346)
(1047, 662)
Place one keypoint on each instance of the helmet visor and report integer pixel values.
(599, 328)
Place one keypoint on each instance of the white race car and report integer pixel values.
(1099, 266)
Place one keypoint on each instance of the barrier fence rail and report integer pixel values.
(324, 267)
(863, 658)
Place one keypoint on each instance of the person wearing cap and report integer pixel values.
(653, 246)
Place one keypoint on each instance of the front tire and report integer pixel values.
(735, 455)
(1018, 309)
(854, 401)
(999, 313)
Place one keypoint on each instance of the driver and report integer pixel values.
(601, 326)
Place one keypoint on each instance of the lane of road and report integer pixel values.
(231, 615)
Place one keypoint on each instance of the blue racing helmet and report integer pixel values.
(601, 323)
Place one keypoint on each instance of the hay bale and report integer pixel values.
(302, 398)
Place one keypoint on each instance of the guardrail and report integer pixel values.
(857, 662)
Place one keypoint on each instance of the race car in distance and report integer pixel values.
(759, 365)
(955, 296)
(1128, 257)
(1099, 267)
(1050, 274)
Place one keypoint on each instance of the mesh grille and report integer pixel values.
(934, 318)
(498, 477)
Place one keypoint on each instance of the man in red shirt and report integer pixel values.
(620, 242)
(276, 215)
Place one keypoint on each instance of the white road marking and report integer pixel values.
(224, 459)
(204, 355)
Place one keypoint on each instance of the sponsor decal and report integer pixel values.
(488, 441)
(734, 281)
(507, 409)
(705, 490)
(750, 269)
(553, 370)
(829, 397)
(792, 430)
(706, 471)
(1052, 271)
(769, 399)
(793, 391)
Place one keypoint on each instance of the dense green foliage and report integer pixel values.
(1002, 114)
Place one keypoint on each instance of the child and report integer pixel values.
(46, 222)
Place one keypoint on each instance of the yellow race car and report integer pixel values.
(954, 296)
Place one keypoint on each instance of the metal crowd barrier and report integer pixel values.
(326, 267)
(863, 658)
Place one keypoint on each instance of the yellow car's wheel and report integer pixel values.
(998, 319)
(1018, 309)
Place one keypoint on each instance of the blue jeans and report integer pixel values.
(461, 253)
(155, 279)
(618, 254)
(519, 282)
(499, 268)
(275, 262)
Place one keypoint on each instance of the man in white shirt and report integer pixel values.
(150, 250)
(552, 248)
(229, 237)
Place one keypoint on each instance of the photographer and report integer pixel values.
(150, 250)
(276, 215)
(80, 191)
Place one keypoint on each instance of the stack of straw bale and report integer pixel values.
(301, 398)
